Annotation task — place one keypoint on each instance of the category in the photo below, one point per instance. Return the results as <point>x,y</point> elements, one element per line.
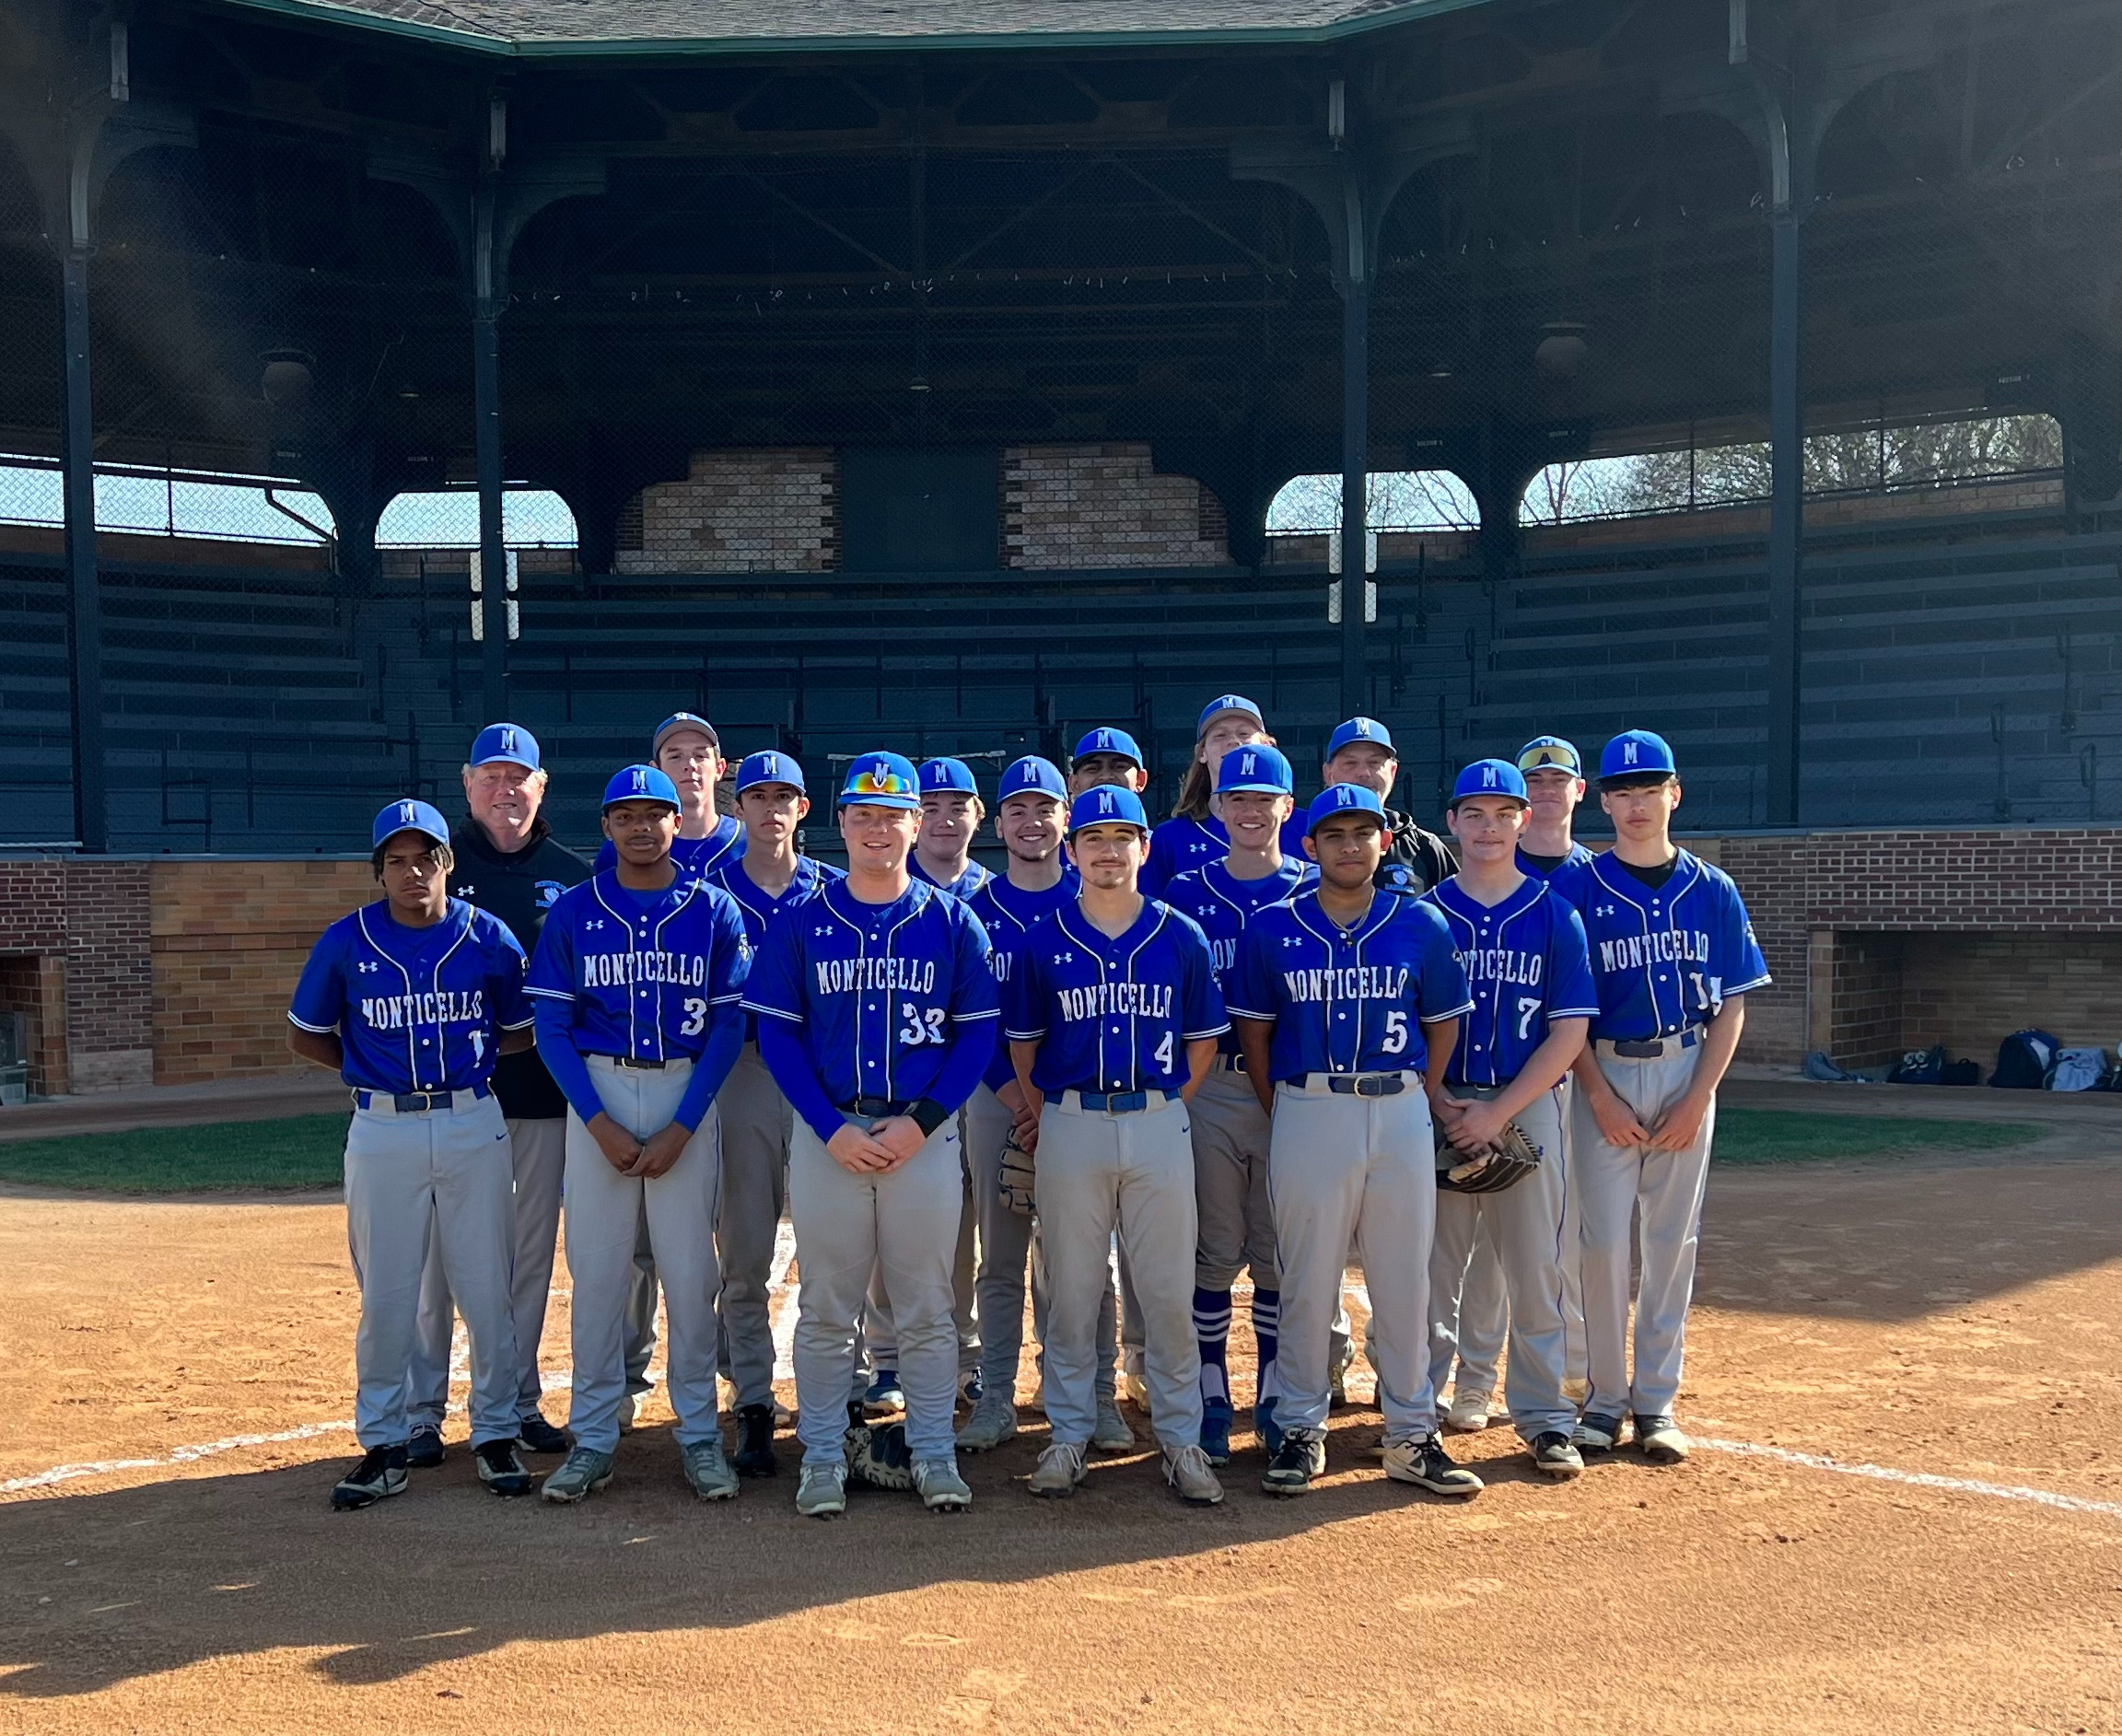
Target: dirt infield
<point>1950,1321</point>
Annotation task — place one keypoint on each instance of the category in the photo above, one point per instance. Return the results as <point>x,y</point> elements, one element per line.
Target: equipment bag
<point>2024,1059</point>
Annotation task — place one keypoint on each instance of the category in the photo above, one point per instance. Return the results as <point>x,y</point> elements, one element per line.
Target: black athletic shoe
<point>380,1472</point>
<point>1299,1458</point>
<point>534,1434</point>
<point>425,1451</point>
<point>1554,1454</point>
<point>499,1469</point>
<point>1595,1433</point>
<point>755,1442</point>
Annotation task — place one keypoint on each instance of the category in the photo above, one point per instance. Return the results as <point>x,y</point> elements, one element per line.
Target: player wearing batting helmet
<point>507,861</point>
<point>1673,958</point>
<point>638,978</point>
<point>411,1000</point>
<point>1522,949</point>
<point>877,1017</point>
<point>1112,1019</point>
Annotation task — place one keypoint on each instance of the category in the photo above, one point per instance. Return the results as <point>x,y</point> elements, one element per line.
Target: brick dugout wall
<point>1105,506</point>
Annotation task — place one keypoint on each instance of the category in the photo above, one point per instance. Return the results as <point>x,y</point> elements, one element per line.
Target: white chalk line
<point>782,1304</point>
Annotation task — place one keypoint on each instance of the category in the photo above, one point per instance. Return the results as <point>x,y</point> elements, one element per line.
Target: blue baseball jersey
<point>1350,1000</point>
<point>1185,843</point>
<point>697,859</point>
<point>1008,914</point>
<point>642,971</point>
<point>1113,1014</point>
<point>1563,873</point>
<point>876,990</point>
<point>1525,962</point>
<point>417,1009</point>
<point>965,886</point>
<point>1221,904</point>
<point>758,906</point>
<point>1664,960</point>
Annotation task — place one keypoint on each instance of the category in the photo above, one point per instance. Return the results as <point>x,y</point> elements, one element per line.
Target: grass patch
<point>1795,1136</point>
<point>303,1151</point>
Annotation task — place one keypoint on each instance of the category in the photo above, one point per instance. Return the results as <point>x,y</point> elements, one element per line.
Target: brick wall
<point>35,986</point>
<point>110,1002</point>
<point>774,511</point>
<point>229,941</point>
<point>1971,991</point>
<point>1105,506</point>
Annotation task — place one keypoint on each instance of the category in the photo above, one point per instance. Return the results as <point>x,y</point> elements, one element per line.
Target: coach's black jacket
<point>519,887</point>
<point>1416,859</point>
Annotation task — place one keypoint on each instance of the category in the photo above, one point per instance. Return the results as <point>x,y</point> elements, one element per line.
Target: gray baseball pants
<point>1231,1138</point>
<point>1524,1225</point>
<point>538,1150</point>
<point>848,1226</point>
<point>757,1128</point>
<point>605,1211</point>
<point>1666,1187</point>
<point>1132,1172</point>
<point>1343,1168</point>
<point>441,1177</point>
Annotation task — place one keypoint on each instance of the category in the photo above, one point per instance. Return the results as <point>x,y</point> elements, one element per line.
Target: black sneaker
<point>755,1442</point>
<point>1299,1458</point>
<point>1426,1465</point>
<point>425,1451</point>
<point>380,1472</point>
<point>1595,1433</point>
<point>534,1434</point>
<point>499,1469</point>
<point>1553,1453</point>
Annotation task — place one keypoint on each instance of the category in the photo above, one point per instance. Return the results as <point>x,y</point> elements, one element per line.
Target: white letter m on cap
<point>404,813</point>
<point>1104,802</point>
<point>1627,753</point>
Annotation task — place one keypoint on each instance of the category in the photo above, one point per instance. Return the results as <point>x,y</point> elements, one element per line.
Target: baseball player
<point>507,861</point>
<point>1348,1004</point>
<point>1107,755</point>
<point>1114,1017</point>
<point>1254,793</point>
<point>1673,958</point>
<point>877,1018</point>
<point>950,816</point>
<point>411,1000</point>
<point>1522,949</point>
<point>1193,836</point>
<point>1360,752</point>
<point>1031,814</point>
<point>757,1122</point>
<point>637,978</point>
<point>686,749</point>
<point>1554,786</point>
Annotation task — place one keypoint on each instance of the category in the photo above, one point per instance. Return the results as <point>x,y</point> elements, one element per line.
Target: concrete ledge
<point>268,1097</point>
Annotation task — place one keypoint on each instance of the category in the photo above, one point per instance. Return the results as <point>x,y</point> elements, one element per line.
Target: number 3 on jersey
<point>920,1027</point>
<point>695,1017</point>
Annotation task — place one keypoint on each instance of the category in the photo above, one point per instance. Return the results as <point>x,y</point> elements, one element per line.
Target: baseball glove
<point>1508,1162</point>
<point>1016,1185</point>
<point>878,1455</point>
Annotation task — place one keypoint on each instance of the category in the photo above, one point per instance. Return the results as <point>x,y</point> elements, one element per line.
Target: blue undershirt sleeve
<point>725,1042</point>
<point>564,1060</point>
<point>972,1048</point>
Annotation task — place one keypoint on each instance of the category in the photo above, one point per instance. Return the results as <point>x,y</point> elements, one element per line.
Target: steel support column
<point>1355,488</point>
<point>1786,513</point>
<point>493,547</point>
<point>85,604</point>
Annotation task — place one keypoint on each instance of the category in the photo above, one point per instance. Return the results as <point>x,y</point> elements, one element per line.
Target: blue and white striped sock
<point>1212,1333</point>
<point>1268,1331</point>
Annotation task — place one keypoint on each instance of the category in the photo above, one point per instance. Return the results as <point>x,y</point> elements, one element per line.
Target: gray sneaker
<point>822,1492</point>
<point>708,1471</point>
<point>993,1421</point>
<point>581,1473</point>
<point>1060,1470</point>
<point>1109,1433</point>
<point>941,1489</point>
<point>1190,1479</point>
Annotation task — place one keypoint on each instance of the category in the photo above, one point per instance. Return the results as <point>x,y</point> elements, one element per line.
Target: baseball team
<point>1138,1062</point>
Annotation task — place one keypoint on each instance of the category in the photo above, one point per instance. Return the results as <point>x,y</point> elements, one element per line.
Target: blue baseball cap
<point>411,816</point>
<point>1636,753</point>
<point>1103,741</point>
<point>508,744</point>
<point>679,720</point>
<point>939,776</point>
<point>1490,777</point>
<point>768,768</point>
<point>1342,799</point>
<point>881,780</point>
<point>1222,703</point>
<point>1360,730</point>
<point>640,783</point>
<point>1033,776</point>
<point>1543,751</point>
<point>1258,767</point>
<point>1107,805</point>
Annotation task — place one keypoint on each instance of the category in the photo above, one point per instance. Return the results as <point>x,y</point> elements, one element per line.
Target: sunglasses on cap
<point>1548,756</point>
<point>879,781</point>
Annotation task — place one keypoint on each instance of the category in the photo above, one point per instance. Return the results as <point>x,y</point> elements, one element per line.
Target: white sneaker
<point>1190,1479</point>
<point>1133,1387</point>
<point>1661,1440</point>
<point>1468,1413</point>
<point>1060,1470</point>
<point>1109,1433</point>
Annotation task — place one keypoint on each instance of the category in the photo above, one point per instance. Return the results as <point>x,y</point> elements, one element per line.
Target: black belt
<point>628,1060</point>
<point>417,1102</point>
<point>1359,1084</point>
<point>1230,1063</point>
<point>1653,1048</point>
<point>876,1106</point>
